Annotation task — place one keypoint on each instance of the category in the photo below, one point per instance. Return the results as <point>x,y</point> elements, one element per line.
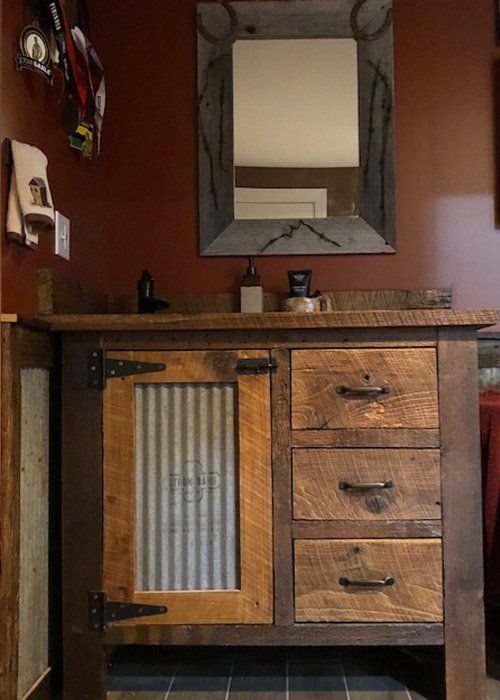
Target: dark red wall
<point>146,185</point>
<point>444,53</point>
<point>31,113</point>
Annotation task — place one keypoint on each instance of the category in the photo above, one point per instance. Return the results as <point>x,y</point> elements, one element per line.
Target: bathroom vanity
<point>272,479</point>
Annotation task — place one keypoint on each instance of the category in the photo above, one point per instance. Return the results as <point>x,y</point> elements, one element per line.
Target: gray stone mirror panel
<point>219,26</point>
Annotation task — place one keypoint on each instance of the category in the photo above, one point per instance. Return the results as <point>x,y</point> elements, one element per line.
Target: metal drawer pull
<point>363,390</point>
<point>387,581</point>
<point>346,486</point>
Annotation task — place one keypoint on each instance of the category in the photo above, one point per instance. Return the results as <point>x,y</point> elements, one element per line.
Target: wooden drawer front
<point>328,484</point>
<point>414,565</point>
<point>410,377</point>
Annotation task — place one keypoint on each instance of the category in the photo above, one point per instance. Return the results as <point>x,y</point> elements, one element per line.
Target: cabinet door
<point>187,489</point>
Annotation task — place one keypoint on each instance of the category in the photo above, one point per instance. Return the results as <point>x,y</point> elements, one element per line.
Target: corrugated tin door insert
<point>187,485</point>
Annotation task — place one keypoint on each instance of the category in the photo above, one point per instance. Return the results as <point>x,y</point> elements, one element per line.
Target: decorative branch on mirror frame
<point>372,226</point>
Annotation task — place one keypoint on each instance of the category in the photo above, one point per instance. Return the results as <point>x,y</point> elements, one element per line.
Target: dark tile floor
<point>273,674</point>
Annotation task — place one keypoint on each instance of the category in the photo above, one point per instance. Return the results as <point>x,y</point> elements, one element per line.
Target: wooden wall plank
<point>9,511</point>
<point>329,301</point>
<point>386,299</point>
<point>58,294</point>
<point>462,515</point>
<point>34,529</point>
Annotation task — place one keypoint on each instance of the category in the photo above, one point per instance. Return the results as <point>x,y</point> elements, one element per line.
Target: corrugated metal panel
<point>34,546</point>
<point>186,485</point>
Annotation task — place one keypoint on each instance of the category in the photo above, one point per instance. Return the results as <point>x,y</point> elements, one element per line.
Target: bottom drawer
<point>368,581</point>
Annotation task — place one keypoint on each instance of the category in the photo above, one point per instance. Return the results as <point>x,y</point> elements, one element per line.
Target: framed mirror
<point>296,127</point>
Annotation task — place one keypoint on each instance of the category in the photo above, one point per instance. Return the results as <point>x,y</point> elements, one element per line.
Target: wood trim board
<point>275,320</point>
<point>9,509</point>
<point>462,515</point>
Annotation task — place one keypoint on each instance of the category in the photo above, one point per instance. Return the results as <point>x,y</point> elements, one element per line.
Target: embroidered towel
<point>30,208</point>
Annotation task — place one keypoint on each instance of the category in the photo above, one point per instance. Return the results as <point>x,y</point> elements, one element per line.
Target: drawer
<point>340,484</point>
<point>333,389</point>
<point>327,573</point>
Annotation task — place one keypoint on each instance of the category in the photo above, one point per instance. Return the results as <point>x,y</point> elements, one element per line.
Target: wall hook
<point>361,34</point>
<point>230,35</point>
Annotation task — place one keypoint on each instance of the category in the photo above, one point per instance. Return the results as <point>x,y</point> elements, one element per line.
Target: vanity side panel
<point>462,514</point>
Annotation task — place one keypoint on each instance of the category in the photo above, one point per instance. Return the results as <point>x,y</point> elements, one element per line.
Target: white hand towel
<point>30,207</point>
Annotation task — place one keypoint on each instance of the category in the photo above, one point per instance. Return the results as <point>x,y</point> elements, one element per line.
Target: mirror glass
<point>296,128</point>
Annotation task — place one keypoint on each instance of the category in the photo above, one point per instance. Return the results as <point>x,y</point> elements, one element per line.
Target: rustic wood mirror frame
<point>220,24</point>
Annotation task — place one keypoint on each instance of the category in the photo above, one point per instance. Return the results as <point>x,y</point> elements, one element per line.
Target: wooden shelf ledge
<point>273,320</point>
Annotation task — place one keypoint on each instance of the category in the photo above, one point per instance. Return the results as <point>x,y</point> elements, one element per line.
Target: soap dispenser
<point>251,292</point>
<point>147,302</point>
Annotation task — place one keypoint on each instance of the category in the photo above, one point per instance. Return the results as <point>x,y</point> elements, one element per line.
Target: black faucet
<point>146,295</point>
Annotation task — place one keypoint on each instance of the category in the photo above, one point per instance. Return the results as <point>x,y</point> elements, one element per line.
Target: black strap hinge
<point>102,611</point>
<point>259,365</point>
<point>101,368</point>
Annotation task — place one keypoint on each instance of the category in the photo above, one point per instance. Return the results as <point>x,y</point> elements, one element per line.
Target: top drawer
<point>334,389</point>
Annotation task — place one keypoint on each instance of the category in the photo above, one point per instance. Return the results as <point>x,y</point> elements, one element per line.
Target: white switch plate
<point>62,235</point>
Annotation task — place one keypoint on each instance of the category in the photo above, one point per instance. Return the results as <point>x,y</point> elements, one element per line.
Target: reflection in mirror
<point>296,128</point>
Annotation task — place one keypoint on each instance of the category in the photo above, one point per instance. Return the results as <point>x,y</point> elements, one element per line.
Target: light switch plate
<point>62,235</point>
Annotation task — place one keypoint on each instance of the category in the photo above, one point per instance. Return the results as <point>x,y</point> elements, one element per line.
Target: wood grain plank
<point>410,375</point>
<point>34,529</point>
<point>462,515</point>
<point>119,488</point>
<point>373,437</point>
<point>361,529</point>
<point>274,320</point>
<point>415,566</point>
<point>60,294</point>
<point>282,488</point>
<point>414,475</point>
<point>9,510</point>
<point>313,635</point>
<point>268,339</point>
<point>228,302</point>
<point>386,299</point>
<point>82,508</point>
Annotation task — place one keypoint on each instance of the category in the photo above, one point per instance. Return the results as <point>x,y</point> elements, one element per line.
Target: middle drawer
<point>366,484</point>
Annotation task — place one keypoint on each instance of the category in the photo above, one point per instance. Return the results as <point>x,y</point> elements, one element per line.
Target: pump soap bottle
<point>251,293</point>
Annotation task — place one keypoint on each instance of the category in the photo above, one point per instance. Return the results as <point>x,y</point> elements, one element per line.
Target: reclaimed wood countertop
<point>273,320</point>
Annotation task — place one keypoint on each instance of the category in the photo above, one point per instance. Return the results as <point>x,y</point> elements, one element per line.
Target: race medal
<point>35,54</point>
<point>82,139</point>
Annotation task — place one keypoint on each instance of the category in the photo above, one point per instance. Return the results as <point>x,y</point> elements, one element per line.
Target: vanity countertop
<point>274,320</point>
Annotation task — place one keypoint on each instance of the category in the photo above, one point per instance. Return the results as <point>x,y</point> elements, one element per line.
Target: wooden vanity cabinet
<point>272,479</point>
